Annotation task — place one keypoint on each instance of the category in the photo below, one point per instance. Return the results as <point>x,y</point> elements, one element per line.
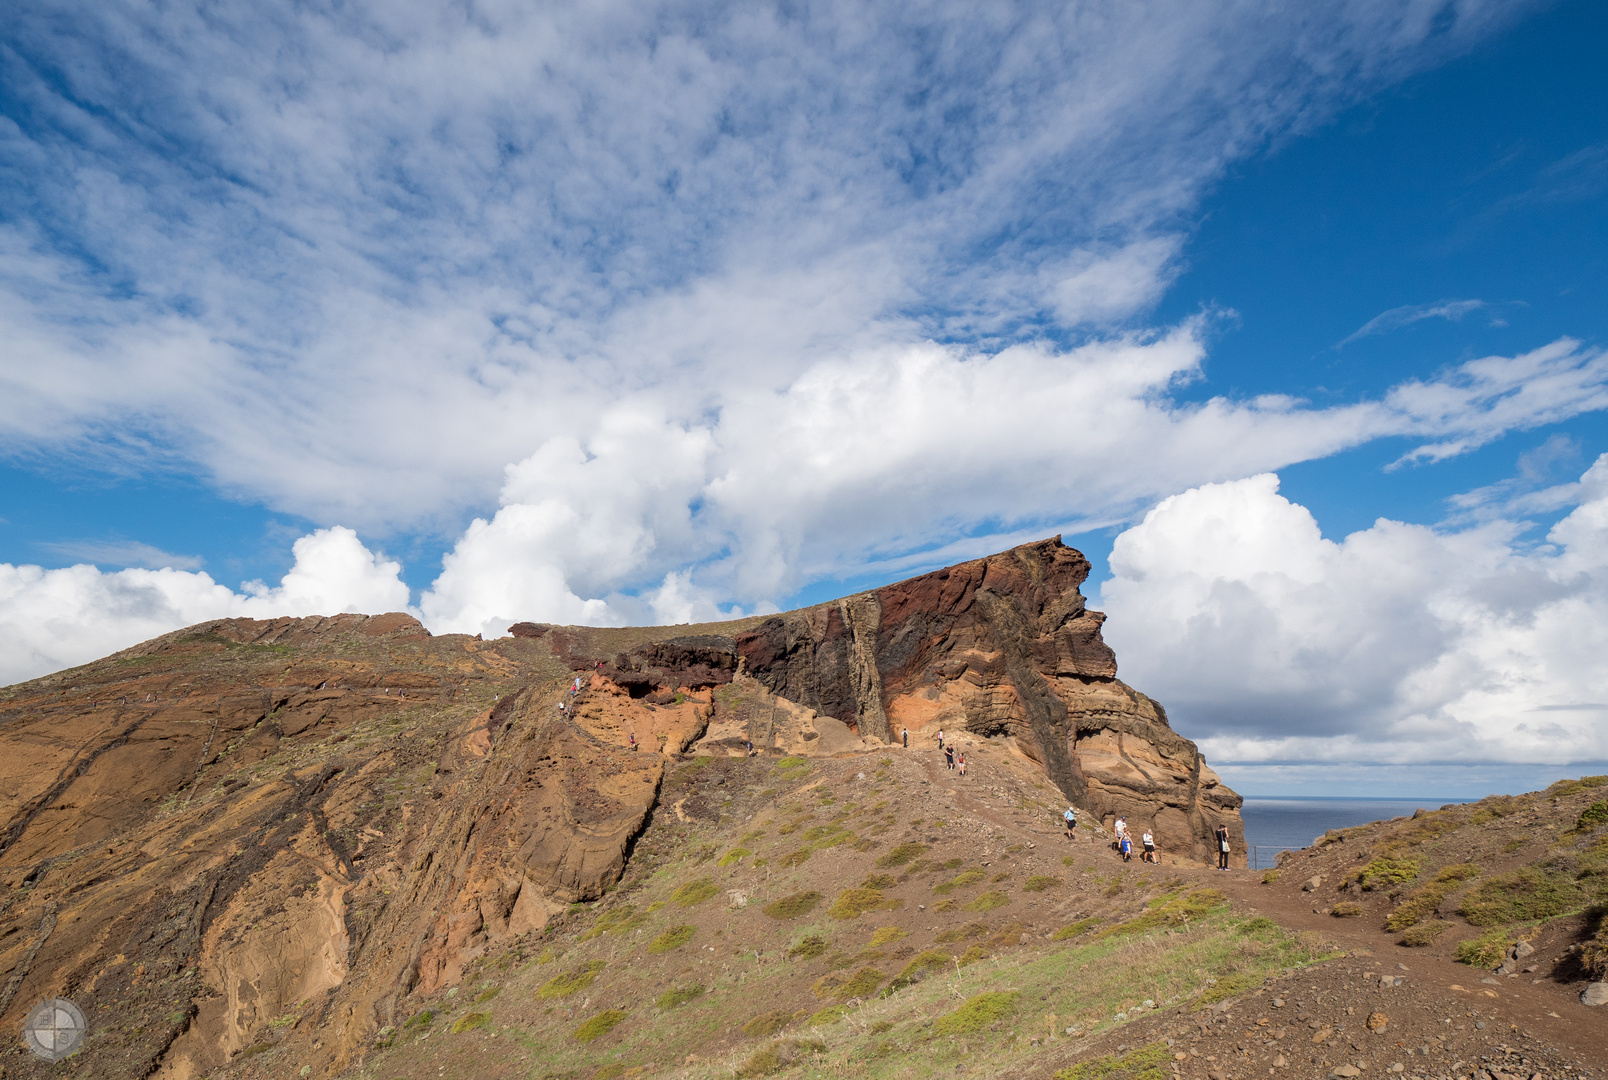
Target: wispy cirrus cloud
<point>1399,317</point>
<point>122,553</point>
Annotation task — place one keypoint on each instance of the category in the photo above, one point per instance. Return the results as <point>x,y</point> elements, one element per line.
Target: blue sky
<point>660,313</point>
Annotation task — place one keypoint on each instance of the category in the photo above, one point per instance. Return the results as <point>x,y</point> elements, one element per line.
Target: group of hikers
<point>1122,839</point>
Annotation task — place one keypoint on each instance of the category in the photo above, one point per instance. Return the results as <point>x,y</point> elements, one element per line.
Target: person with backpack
<point>1222,847</point>
<point>1149,843</point>
<point>960,764</point>
<point>1071,820</point>
<point>1119,829</point>
<point>1126,844</point>
<point>907,738</point>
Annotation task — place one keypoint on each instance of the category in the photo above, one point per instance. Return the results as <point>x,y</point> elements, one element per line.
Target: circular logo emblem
<point>54,1029</point>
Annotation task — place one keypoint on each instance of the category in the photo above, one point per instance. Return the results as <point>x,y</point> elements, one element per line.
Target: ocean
<point>1272,825</point>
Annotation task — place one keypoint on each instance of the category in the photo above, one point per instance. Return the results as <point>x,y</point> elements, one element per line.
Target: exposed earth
<point>343,847</point>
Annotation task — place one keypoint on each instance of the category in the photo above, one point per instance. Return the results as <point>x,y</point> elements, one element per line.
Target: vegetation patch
<point>901,855</point>
<point>487,994</point>
<point>695,892</point>
<point>1383,873</point>
<point>470,1021</point>
<point>1145,1063</point>
<point>977,1013</point>
<point>879,881</point>
<point>1486,951</point>
<point>852,903</point>
<point>791,907</point>
<point>1040,882</point>
<point>681,995</point>
<point>1424,933</point>
<point>420,1019</point>
<point>808,948</point>
<point>1233,986</point>
<point>795,858</point>
<point>861,984</point>
<point>1169,911</point>
<point>600,1025</point>
<point>963,933</point>
<point>1348,909</point>
<point>820,832</point>
<point>829,1015</point>
<point>779,1056</point>
<point>988,901</point>
<point>673,938</point>
<point>735,855</point>
<point>1082,926</point>
<point>1594,953</point>
<point>917,969</point>
<point>887,935</point>
<point>570,982</point>
<point>1592,816</point>
<point>1270,877</point>
<point>625,917</point>
<point>766,1024</point>
<point>1575,787</point>
<point>1423,902</point>
<point>1523,896</point>
<point>792,764</point>
<point>959,881</point>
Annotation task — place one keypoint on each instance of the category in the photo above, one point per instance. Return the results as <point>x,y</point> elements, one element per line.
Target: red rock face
<point>1001,646</point>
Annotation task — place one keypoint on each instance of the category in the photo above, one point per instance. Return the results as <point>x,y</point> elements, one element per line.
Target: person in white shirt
<point>1150,847</point>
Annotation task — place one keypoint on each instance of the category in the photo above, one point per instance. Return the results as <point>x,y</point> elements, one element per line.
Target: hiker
<point>940,738</point>
<point>632,736</point>
<point>949,757</point>
<point>960,764</point>
<point>1126,843</point>
<point>1149,843</point>
<point>1071,819</point>
<point>907,738</point>
<point>749,746</point>
<point>1222,847</point>
<point>1119,829</point>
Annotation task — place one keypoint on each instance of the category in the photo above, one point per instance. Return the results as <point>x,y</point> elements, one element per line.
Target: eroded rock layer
<point>1001,646</point>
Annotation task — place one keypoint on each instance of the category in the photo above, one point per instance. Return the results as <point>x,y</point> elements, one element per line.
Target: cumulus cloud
<point>1398,643</point>
<point>890,463</point>
<point>51,619</point>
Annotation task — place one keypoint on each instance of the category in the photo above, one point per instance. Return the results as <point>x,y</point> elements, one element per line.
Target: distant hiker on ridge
<point>1222,847</point>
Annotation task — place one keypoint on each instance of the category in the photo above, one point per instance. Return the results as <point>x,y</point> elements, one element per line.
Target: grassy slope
<point>729,999</point>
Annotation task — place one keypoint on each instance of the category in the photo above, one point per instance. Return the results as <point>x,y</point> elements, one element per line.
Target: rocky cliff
<point>250,838</point>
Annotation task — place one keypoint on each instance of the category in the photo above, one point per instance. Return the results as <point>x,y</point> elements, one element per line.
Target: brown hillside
<point>248,844</point>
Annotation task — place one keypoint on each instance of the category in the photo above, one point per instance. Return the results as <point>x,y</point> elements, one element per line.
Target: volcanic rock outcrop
<point>252,837</point>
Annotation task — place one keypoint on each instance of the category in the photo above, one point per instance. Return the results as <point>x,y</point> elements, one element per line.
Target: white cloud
<point>351,261</point>
<point>1399,643</point>
<point>123,553</point>
<point>1398,317</point>
<point>51,619</point>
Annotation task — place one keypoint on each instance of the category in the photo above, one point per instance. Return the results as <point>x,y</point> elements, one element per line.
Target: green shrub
<point>1082,926</point>
<point>1270,877</point>
<point>570,982</point>
<point>1574,787</point>
<point>795,858</point>
<point>1485,951</point>
<point>470,1021</point>
<point>977,1013</point>
<point>962,933</point>
<point>778,1056</point>
<point>735,855</point>
<point>787,764</point>
<point>1524,896</point>
<point>600,1025</point>
<point>861,984</point>
<point>1145,1063</point>
<point>420,1019</point>
<point>616,921</point>
<point>695,892</point>
<point>807,948</point>
<point>1040,882</point>
<point>766,1024</point>
<point>879,881</point>
<point>916,970</point>
<point>1347,909</point>
<point>1229,987</point>
<point>791,907</point>
<point>901,855</point>
<point>972,955</point>
<point>1382,873</point>
<point>887,935</point>
<point>1425,900</point>
<point>987,901</point>
<point>487,994</point>
<point>681,995</point>
<point>820,832</point>
<point>852,903</point>
<point>959,881</point>
<point>673,938</point>
<point>1592,816</point>
<point>1421,934</point>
